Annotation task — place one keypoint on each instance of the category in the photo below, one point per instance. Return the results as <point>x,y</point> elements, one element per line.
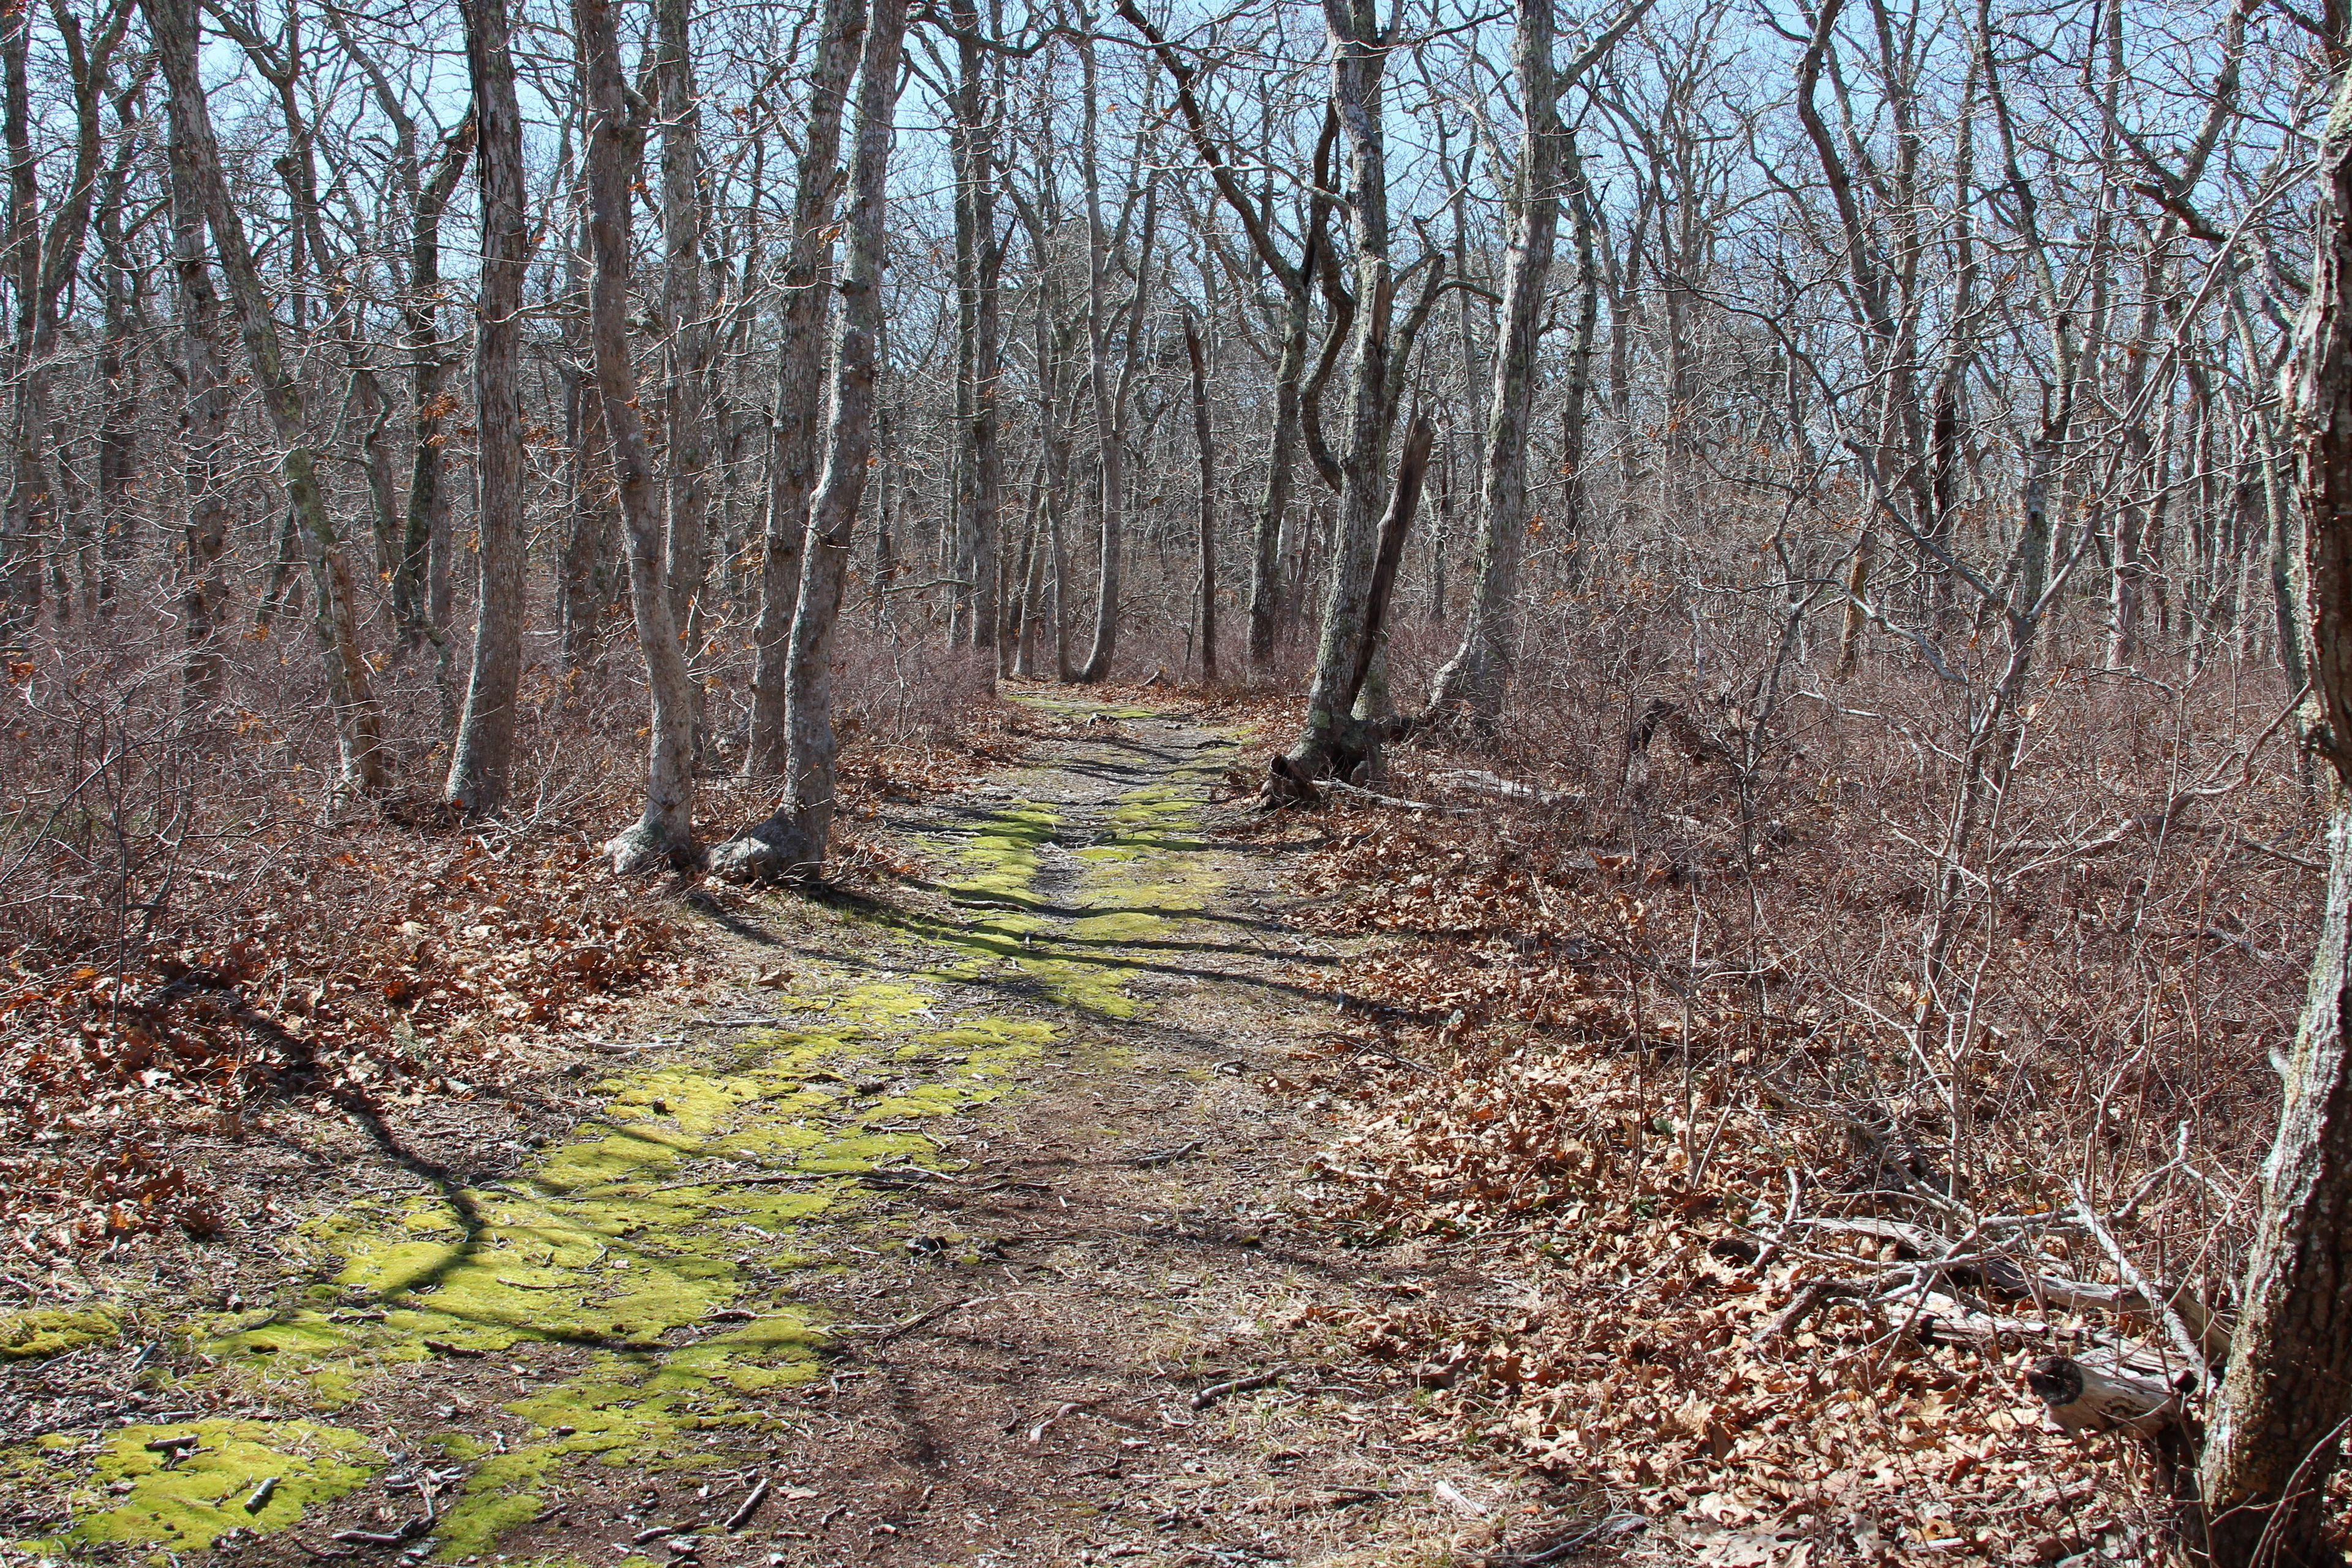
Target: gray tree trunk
<point>792,843</point>
<point>1208,512</point>
<point>664,836</point>
<point>427,513</point>
<point>800,387</point>
<point>1358,55</point>
<point>204,591</point>
<point>685,313</point>
<point>1474,678</point>
<point>481,759</point>
<point>1110,391</point>
<point>2275,1431</point>
<point>585,579</point>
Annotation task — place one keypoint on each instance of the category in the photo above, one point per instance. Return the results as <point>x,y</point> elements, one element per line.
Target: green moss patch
<point>643,1249</point>
<point>53,1331</point>
<point>188,1498</point>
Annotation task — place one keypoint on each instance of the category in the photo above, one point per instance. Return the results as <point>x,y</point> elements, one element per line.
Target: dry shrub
<point>192,934</point>
<point>1665,1052</point>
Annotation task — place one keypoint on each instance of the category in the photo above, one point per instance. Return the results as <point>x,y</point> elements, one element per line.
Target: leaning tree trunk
<point>1474,678</point>
<point>793,842</point>
<point>359,724</point>
<point>800,386</point>
<point>2276,1427</point>
<point>480,762</point>
<point>616,140</point>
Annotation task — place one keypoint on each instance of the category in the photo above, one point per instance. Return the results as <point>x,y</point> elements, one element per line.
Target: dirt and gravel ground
<point>958,1225</point>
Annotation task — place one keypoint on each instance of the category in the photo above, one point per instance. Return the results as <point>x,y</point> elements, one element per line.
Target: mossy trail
<point>441,1366</point>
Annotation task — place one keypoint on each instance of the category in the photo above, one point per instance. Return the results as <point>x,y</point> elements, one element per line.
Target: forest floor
<point>961,1220</point>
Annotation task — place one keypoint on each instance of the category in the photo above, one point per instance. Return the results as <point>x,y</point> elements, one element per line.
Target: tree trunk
<point>1110,392</point>
<point>358,720</point>
<point>205,534</point>
<point>1358,55</point>
<point>792,843</point>
<point>985,473</point>
<point>1473,680</point>
<point>25,523</point>
<point>427,513</point>
<point>1208,513</point>
<point>684,312</point>
<point>480,760</point>
<point>800,387</point>
<point>2276,1428</point>
<point>585,579</point>
<point>664,836</point>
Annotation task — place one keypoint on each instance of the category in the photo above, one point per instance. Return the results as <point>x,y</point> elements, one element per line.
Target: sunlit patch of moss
<point>53,1331</point>
<point>137,1495</point>
<point>623,1240</point>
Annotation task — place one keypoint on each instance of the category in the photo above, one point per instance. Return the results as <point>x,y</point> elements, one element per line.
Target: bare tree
<point>792,447</point>
<point>793,842</point>
<point>2276,1429</point>
<point>359,722</point>
<point>663,835</point>
<point>480,759</point>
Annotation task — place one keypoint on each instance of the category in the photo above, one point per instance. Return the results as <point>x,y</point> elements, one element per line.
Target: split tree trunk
<point>800,386</point>
<point>684,309</point>
<point>664,836</point>
<point>480,760</point>
<point>793,841</point>
<point>1359,50</point>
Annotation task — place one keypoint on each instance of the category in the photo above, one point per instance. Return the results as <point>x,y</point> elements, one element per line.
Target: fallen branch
<point>2084,1399</point>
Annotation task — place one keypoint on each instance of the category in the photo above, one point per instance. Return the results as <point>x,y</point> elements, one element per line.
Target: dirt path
<point>960,1228</point>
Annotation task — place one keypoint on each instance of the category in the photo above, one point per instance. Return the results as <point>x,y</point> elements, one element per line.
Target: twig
<point>908,1325</point>
<point>1217,1391</point>
<point>749,1506</point>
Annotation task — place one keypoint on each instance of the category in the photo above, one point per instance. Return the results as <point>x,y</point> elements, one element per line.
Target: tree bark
<point>685,311</point>
<point>1110,392</point>
<point>2275,1430</point>
<point>359,722</point>
<point>1473,680</point>
<point>800,386</point>
<point>203,421</point>
<point>663,835</point>
<point>481,760</point>
<point>426,517</point>
<point>1208,505</point>
<point>792,843</point>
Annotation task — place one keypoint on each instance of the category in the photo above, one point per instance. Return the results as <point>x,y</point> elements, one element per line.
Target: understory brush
<point>1799,1122</point>
<point>195,930</point>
